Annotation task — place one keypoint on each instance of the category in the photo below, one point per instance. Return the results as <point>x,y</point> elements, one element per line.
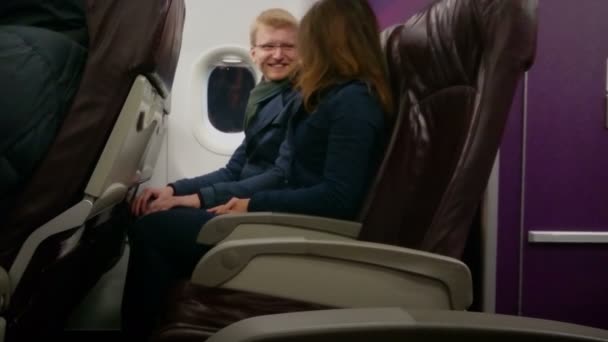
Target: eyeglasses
<point>270,47</point>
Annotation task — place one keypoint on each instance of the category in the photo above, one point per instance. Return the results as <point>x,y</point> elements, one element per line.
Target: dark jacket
<point>63,16</point>
<point>40,72</point>
<point>246,171</point>
<point>331,155</point>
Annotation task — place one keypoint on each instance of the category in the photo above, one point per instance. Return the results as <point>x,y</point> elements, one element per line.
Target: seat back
<point>127,39</point>
<point>454,70</point>
<point>67,227</point>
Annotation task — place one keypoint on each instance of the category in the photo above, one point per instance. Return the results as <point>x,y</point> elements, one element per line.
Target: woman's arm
<point>355,139</point>
<point>230,172</point>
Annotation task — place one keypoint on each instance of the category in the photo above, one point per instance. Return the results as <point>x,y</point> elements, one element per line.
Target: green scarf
<point>262,92</point>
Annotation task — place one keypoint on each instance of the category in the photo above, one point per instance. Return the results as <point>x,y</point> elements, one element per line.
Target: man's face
<point>275,52</point>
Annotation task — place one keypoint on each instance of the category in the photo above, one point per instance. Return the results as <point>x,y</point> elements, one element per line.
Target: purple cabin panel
<point>566,181</point>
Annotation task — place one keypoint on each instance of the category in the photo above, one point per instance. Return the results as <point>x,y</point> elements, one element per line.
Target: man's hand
<point>141,203</point>
<point>166,203</point>
<point>235,205</point>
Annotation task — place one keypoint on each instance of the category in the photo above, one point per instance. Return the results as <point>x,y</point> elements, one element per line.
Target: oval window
<point>228,89</point>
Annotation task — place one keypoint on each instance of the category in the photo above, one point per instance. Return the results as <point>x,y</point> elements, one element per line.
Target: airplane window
<point>227,93</point>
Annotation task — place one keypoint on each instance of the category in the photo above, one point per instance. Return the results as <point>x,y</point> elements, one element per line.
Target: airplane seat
<point>454,69</point>
<point>66,226</point>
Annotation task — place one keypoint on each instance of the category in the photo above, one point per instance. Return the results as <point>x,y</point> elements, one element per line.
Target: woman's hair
<point>276,18</point>
<point>338,41</point>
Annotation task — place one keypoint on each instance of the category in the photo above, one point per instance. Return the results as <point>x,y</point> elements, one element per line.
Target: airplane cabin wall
<point>553,216</point>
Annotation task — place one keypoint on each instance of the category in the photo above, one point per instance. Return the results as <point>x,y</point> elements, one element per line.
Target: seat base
<point>65,267</point>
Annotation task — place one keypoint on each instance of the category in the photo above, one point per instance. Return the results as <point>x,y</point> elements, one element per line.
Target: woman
<point>333,143</point>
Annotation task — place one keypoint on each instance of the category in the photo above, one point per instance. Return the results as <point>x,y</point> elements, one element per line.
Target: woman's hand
<point>235,205</point>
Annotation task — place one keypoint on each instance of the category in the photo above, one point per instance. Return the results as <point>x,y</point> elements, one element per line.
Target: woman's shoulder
<point>350,88</point>
<point>352,104</point>
<point>355,96</point>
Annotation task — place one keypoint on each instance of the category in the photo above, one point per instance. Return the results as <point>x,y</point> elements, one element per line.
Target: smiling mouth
<point>278,66</point>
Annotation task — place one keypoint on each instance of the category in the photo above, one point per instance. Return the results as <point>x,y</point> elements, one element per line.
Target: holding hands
<point>152,200</point>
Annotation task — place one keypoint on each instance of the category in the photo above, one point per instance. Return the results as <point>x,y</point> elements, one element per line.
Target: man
<point>273,49</point>
<point>163,240</point>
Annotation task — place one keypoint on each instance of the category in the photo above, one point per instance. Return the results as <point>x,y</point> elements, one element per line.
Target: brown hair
<point>338,41</point>
<point>276,18</point>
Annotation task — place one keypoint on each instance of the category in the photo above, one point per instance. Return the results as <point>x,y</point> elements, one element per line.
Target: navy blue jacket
<point>251,167</point>
<point>331,155</point>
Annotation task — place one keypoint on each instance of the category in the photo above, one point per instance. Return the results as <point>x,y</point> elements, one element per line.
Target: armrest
<point>5,290</point>
<point>392,324</point>
<point>250,225</point>
<point>311,325</point>
<point>338,273</point>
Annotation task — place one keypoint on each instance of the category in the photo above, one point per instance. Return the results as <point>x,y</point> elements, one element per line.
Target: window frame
<point>203,130</point>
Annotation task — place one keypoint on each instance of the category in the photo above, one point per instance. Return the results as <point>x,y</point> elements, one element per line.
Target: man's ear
<point>252,53</point>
